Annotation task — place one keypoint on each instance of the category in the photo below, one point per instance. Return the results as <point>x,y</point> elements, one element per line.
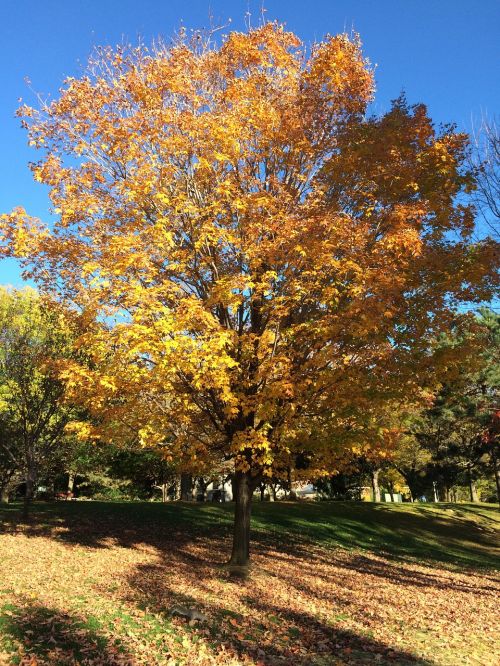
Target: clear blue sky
<point>441,52</point>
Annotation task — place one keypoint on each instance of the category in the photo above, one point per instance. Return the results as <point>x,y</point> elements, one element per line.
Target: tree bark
<point>375,485</point>
<point>413,481</point>
<point>186,487</point>
<point>242,495</point>
<point>4,495</point>
<point>473,490</point>
<point>496,471</point>
<point>71,482</point>
<point>29,492</point>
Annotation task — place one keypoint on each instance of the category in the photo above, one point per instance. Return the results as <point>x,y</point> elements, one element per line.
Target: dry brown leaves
<point>108,604</point>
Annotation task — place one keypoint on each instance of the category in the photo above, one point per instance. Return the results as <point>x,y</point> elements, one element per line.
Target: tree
<point>484,159</point>
<point>454,429</point>
<point>33,415</point>
<point>491,441</point>
<point>267,263</point>
<point>411,460</point>
<point>118,471</point>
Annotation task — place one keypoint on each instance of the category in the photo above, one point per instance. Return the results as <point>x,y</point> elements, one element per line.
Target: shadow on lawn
<point>416,533</point>
<point>55,638</point>
<point>279,635</point>
<point>107,524</point>
<point>396,573</point>
<point>419,534</point>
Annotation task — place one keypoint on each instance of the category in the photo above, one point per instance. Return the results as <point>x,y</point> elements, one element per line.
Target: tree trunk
<point>413,481</point>
<point>375,485</point>
<point>29,492</point>
<point>289,496</point>
<point>71,482</point>
<point>473,490</point>
<point>186,487</point>
<point>4,495</point>
<point>242,495</point>
<point>262,491</point>
<point>202,489</point>
<point>496,471</point>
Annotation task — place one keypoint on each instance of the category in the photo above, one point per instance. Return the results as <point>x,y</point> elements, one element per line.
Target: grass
<point>416,531</point>
<point>332,583</point>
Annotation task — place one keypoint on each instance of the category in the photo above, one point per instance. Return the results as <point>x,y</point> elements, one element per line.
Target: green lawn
<point>458,535</point>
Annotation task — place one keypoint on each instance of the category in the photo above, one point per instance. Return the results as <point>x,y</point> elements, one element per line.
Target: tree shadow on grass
<point>451,540</point>
<point>109,524</point>
<point>273,634</point>
<point>418,534</point>
<point>400,538</point>
<point>398,572</point>
<point>48,636</point>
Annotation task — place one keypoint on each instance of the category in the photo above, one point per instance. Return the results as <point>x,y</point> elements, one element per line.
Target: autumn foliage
<point>268,264</point>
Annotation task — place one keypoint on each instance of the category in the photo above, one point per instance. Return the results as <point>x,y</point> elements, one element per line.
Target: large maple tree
<point>267,262</point>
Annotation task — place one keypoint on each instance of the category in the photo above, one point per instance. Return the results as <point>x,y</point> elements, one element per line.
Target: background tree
<point>446,443</point>
<point>271,265</point>
<point>491,442</point>
<point>485,162</point>
<point>411,459</point>
<point>110,471</point>
<point>33,415</point>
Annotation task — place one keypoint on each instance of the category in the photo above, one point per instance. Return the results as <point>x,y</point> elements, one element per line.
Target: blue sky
<point>441,52</point>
